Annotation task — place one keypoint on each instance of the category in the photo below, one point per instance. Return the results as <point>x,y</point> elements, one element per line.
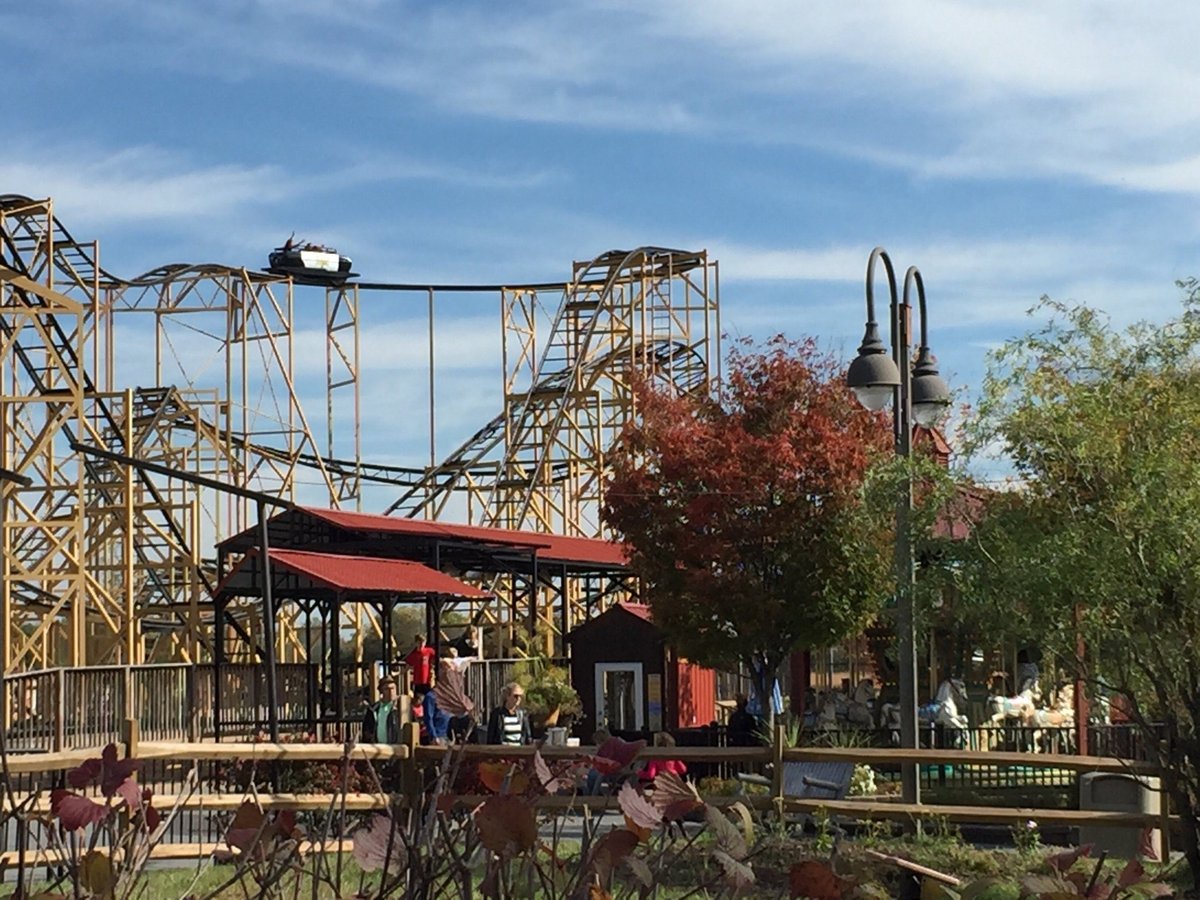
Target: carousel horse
<point>827,711</point>
<point>889,721</point>
<point>860,712</point>
<point>834,710</point>
<point>944,712</point>
<point>1020,707</point>
<point>1018,710</point>
<point>1050,723</point>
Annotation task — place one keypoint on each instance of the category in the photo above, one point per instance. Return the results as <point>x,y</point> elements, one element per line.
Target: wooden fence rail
<point>413,759</point>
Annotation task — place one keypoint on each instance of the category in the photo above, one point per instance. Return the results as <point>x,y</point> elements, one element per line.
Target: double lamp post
<point>917,393</point>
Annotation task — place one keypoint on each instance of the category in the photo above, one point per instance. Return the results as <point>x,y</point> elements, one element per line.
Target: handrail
<point>884,756</point>
<point>413,758</point>
<point>266,750</point>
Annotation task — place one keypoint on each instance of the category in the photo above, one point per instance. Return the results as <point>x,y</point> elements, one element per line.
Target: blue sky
<point>1009,150</point>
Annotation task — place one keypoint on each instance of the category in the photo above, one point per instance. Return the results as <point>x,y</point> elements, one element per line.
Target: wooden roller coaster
<point>106,563</point>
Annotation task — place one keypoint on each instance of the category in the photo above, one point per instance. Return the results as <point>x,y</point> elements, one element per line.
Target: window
<point>619,696</point>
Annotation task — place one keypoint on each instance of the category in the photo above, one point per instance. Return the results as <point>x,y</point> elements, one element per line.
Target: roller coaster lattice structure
<point>107,564</point>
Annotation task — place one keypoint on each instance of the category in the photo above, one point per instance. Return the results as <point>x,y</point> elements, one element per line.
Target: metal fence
<point>68,708</point>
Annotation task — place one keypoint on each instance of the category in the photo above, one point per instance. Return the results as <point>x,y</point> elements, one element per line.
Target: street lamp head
<point>873,375</point>
<point>930,393</point>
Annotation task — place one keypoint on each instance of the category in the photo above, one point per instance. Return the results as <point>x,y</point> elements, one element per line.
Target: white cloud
<point>943,261</point>
<point>137,183</point>
<point>1096,91</point>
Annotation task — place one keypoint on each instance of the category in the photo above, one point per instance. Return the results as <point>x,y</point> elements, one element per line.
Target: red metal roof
<point>356,521</point>
<point>367,574</point>
<point>560,548</point>
<point>549,547</point>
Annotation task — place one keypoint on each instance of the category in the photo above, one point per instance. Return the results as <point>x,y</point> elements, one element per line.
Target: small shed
<point>630,680</point>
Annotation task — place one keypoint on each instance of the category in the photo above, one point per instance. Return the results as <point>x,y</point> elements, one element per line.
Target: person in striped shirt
<point>509,722</point>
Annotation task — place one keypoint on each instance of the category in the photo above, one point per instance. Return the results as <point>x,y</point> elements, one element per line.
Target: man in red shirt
<point>420,664</point>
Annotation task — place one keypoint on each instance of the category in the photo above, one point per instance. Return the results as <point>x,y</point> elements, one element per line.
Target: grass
<point>940,848</point>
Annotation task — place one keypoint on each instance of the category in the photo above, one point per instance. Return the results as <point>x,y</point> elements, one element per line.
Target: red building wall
<point>695,696</point>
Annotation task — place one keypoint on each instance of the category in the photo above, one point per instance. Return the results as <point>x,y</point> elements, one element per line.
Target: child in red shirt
<point>656,767</point>
<point>420,664</point>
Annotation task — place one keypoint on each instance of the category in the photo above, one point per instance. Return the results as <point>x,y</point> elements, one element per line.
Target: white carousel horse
<point>1048,722</point>
<point>1008,711</point>
<point>1020,707</point>
<point>889,721</point>
<point>944,710</point>
<point>860,712</point>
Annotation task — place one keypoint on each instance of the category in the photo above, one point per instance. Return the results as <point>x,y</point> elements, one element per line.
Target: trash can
<point>556,737</point>
<point>1115,792</point>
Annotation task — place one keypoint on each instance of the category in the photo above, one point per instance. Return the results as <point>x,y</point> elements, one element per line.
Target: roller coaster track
<point>101,474</point>
<point>533,465</point>
<point>36,246</point>
<point>469,460</point>
<point>592,340</point>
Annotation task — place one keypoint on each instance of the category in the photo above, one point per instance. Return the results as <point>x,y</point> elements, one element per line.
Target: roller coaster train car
<point>309,263</point>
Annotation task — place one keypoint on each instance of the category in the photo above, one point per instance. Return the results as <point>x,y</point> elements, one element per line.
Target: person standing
<point>434,720</point>
<point>509,722</point>
<point>420,664</point>
<point>381,722</point>
<point>468,644</point>
<point>451,695</point>
<point>742,730</point>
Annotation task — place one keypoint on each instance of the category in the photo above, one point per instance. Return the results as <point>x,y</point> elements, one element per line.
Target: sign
<point>654,701</point>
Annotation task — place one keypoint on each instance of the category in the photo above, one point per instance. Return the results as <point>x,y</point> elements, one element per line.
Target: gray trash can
<point>1115,792</point>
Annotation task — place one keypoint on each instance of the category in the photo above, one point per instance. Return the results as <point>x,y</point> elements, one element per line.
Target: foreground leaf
<point>96,873</point>
<point>640,871</point>
<point>637,808</point>
<point>246,827</point>
<point>1045,887</point>
<point>738,875</point>
<point>371,849</point>
<point>727,836</point>
<point>1061,862</point>
<point>506,825</point>
<point>615,754</point>
<point>611,850</point>
<point>76,812</point>
<point>746,819</point>
<point>495,774</point>
<point>643,834</point>
<point>674,797</point>
<point>542,776</point>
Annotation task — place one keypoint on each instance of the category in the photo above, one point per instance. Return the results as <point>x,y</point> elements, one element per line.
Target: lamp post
<point>917,392</point>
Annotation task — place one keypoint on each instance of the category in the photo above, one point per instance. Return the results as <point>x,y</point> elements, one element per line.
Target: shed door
<point>619,699</point>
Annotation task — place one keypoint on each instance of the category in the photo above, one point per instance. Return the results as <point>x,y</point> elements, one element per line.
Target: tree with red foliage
<point>745,512</point>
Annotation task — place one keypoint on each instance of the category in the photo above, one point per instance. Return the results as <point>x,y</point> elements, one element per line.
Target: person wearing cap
<point>381,722</point>
<point>509,723</point>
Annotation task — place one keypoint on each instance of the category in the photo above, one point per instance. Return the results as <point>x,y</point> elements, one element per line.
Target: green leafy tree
<point>745,512</point>
<point>1101,540</point>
